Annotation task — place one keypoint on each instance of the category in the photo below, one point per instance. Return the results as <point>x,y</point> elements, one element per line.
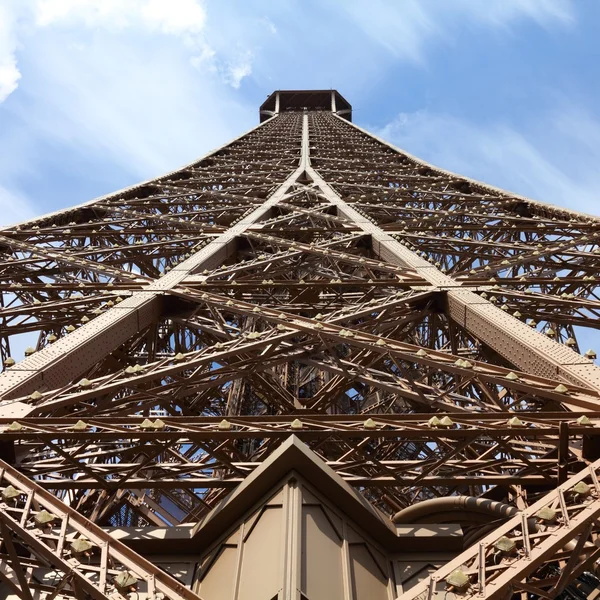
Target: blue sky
<point>96,95</point>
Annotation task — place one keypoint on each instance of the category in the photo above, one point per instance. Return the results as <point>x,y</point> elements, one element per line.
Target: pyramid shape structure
<point>419,333</point>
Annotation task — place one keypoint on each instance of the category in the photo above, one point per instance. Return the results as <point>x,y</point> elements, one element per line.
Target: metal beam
<point>74,354</point>
<point>53,542</point>
<point>518,343</point>
<point>491,572</point>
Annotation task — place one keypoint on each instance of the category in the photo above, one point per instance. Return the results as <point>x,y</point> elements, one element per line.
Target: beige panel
<point>335,520</point>
<point>218,583</point>
<point>322,572</point>
<point>260,577</point>
<point>308,497</point>
<point>368,583</point>
<point>353,536</point>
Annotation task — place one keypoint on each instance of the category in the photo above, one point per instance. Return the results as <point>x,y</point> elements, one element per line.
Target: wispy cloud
<point>401,28</point>
<point>231,70</point>
<point>237,68</point>
<point>505,12</point>
<point>115,110</point>
<point>19,19</point>
<point>268,24</point>
<point>138,107</point>
<point>554,159</point>
<point>9,73</point>
<point>173,17</point>
<point>406,29</point>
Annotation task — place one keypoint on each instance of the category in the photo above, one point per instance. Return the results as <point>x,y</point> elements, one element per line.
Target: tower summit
<point>298,100</point>
<point>306,366</point>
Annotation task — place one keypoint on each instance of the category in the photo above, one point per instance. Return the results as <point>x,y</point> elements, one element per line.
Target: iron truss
<point>420,331</point>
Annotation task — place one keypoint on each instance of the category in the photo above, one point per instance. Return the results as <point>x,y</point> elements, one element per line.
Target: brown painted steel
<point>417,332</point>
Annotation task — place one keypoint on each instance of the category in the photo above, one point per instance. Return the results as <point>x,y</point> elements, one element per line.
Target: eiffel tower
<point>307,366</point>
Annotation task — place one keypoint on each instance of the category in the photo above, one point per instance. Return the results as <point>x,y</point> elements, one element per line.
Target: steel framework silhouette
<point>417,332</point>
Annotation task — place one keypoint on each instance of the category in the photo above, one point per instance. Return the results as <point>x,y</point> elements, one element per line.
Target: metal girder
<point>59,540</point>
<point>561,528</point>
<point>206,453</point>
<point>281,322</point>
<point>511,338</point>
<point>534,424</point>
<point>484,187</point>
<point>54,366</point>
<point>418,331</point>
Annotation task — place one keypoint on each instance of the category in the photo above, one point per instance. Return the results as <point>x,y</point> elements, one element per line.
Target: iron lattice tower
<point>308,365</point>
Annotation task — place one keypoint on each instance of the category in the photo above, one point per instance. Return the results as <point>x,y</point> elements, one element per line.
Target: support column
<point>493,574</point>
<point>528,349</point>
<point>57,549</point>
<point>70,357</point>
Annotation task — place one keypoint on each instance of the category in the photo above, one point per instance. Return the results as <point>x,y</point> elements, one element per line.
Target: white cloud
<point>9,73</point>
<point>185,18</point>
<point>9,76</point>
<point>206,58</point>
<point>124,101</point>
<point>554,160</point>
<point>238,68</point>
<point>175,16</point>
<point>172,17</point>
<point>406,30</point>
<point>504,12</point>
<point>230,71</point>
<point>401,28</point>
<point>131,102</point>
<point>269,25</point>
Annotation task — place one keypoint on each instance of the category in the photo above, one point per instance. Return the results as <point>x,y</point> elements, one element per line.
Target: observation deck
<point>299,100</point>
